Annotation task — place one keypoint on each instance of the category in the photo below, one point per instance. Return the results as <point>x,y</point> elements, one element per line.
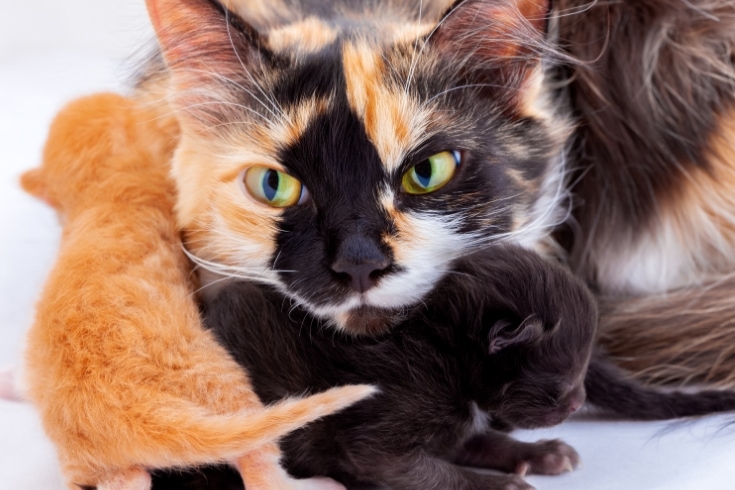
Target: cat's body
<point>503,341</point>
<point>124,377</point>
<point>349,97</point>
<point>654,155</point>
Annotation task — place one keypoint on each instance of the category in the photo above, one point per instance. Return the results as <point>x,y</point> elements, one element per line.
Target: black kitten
<point>506,336</point>
<point>504,341</point>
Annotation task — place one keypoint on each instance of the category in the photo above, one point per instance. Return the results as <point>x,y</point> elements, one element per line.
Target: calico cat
<point>503,341</point>
<point>124,377</point>
<point>346,152</point>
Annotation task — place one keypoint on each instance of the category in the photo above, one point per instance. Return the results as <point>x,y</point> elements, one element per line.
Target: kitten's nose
<point>360,259</point>
<point>576,399</point>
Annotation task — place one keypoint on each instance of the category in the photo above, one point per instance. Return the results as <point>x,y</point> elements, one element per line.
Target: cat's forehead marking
<point>307,36</point>
<point>262,13</point>
<point>394,121</point>
<point>295,120</point>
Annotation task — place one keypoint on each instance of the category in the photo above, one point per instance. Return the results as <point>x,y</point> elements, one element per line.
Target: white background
<point>54,50</point>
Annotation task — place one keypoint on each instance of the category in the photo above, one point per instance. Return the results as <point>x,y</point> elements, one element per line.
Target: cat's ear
<point>497,42</point>
<point>209,51</point>
<point>505,334</point>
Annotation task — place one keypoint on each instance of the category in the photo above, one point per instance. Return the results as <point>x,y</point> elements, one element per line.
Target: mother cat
<point>346,152</point>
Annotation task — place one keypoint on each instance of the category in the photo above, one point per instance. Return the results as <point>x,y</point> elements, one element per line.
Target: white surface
<point>49,54</point>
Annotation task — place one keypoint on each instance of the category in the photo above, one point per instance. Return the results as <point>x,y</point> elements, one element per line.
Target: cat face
<point>349,160</point>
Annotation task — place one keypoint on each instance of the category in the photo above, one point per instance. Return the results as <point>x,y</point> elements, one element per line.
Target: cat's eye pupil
<point>270,184</point>
<point>423,172</point>
<point>431,174</point>
<point>272,187</point>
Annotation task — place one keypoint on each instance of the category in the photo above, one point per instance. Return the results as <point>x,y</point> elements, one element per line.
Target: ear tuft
<point>210,52</point>
<point>505,334</point>
<point>500,42</point>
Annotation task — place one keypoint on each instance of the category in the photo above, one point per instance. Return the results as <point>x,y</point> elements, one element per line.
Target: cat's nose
<point>359,258</point>
<point>362,276</point>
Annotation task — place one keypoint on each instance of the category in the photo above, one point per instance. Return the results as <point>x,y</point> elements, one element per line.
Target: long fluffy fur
<point>654,92</point>
<point>124,377</point>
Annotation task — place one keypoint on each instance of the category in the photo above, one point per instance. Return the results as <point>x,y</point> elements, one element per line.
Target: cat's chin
<point>367,320</point>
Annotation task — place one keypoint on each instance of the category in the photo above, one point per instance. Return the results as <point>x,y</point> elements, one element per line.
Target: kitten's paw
<point>548,458</point>
<point>318,484</point>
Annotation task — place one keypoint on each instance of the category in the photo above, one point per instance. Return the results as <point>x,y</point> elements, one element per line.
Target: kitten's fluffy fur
<point>124,377</point>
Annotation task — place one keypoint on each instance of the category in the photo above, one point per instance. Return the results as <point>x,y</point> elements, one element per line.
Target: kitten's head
<point>535,355</point>
<point>348,160</point>
<point>536,379</point>
<point>98,147</point>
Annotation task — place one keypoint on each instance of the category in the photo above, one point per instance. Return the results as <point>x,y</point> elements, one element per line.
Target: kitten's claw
<point>549,458</point>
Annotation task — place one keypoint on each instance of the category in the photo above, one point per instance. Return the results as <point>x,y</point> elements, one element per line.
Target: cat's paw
<point>551,457</point>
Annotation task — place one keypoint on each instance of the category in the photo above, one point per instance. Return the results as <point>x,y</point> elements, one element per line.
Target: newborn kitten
<point>504,341</point>
<point>122,373</point>
<point>506,336</point>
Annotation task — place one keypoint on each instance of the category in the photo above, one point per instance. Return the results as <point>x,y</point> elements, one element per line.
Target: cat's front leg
<point>495,450</point>
<point>418,470</point>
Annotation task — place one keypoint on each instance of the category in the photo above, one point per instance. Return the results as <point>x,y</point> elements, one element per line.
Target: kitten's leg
<point>499,451</point>
<point>261,470</point>
<point>133,479</point>
<point>420,471</point>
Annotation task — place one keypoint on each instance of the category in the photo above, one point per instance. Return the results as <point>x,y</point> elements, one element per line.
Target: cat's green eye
<point>432,174</point>
<point>274,188</point>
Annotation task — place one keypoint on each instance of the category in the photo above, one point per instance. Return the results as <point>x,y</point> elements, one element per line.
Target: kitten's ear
<point>500,41</point>
<point>208,49</point>
<point>504,333</point>
<point>33,183</point>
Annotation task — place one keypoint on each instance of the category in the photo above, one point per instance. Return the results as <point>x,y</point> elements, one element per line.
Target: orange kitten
<point>117,363</point>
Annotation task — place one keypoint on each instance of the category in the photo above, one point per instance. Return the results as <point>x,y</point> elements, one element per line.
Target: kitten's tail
<point>183,434</point>
<point>608,388</point>
<point>684,336</point>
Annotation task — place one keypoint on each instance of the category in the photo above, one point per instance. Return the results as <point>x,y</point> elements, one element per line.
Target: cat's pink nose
<point>362,275</point>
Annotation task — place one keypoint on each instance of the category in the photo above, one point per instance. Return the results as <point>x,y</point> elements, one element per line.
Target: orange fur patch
<point>394,122</point>
<point>306,36</point>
